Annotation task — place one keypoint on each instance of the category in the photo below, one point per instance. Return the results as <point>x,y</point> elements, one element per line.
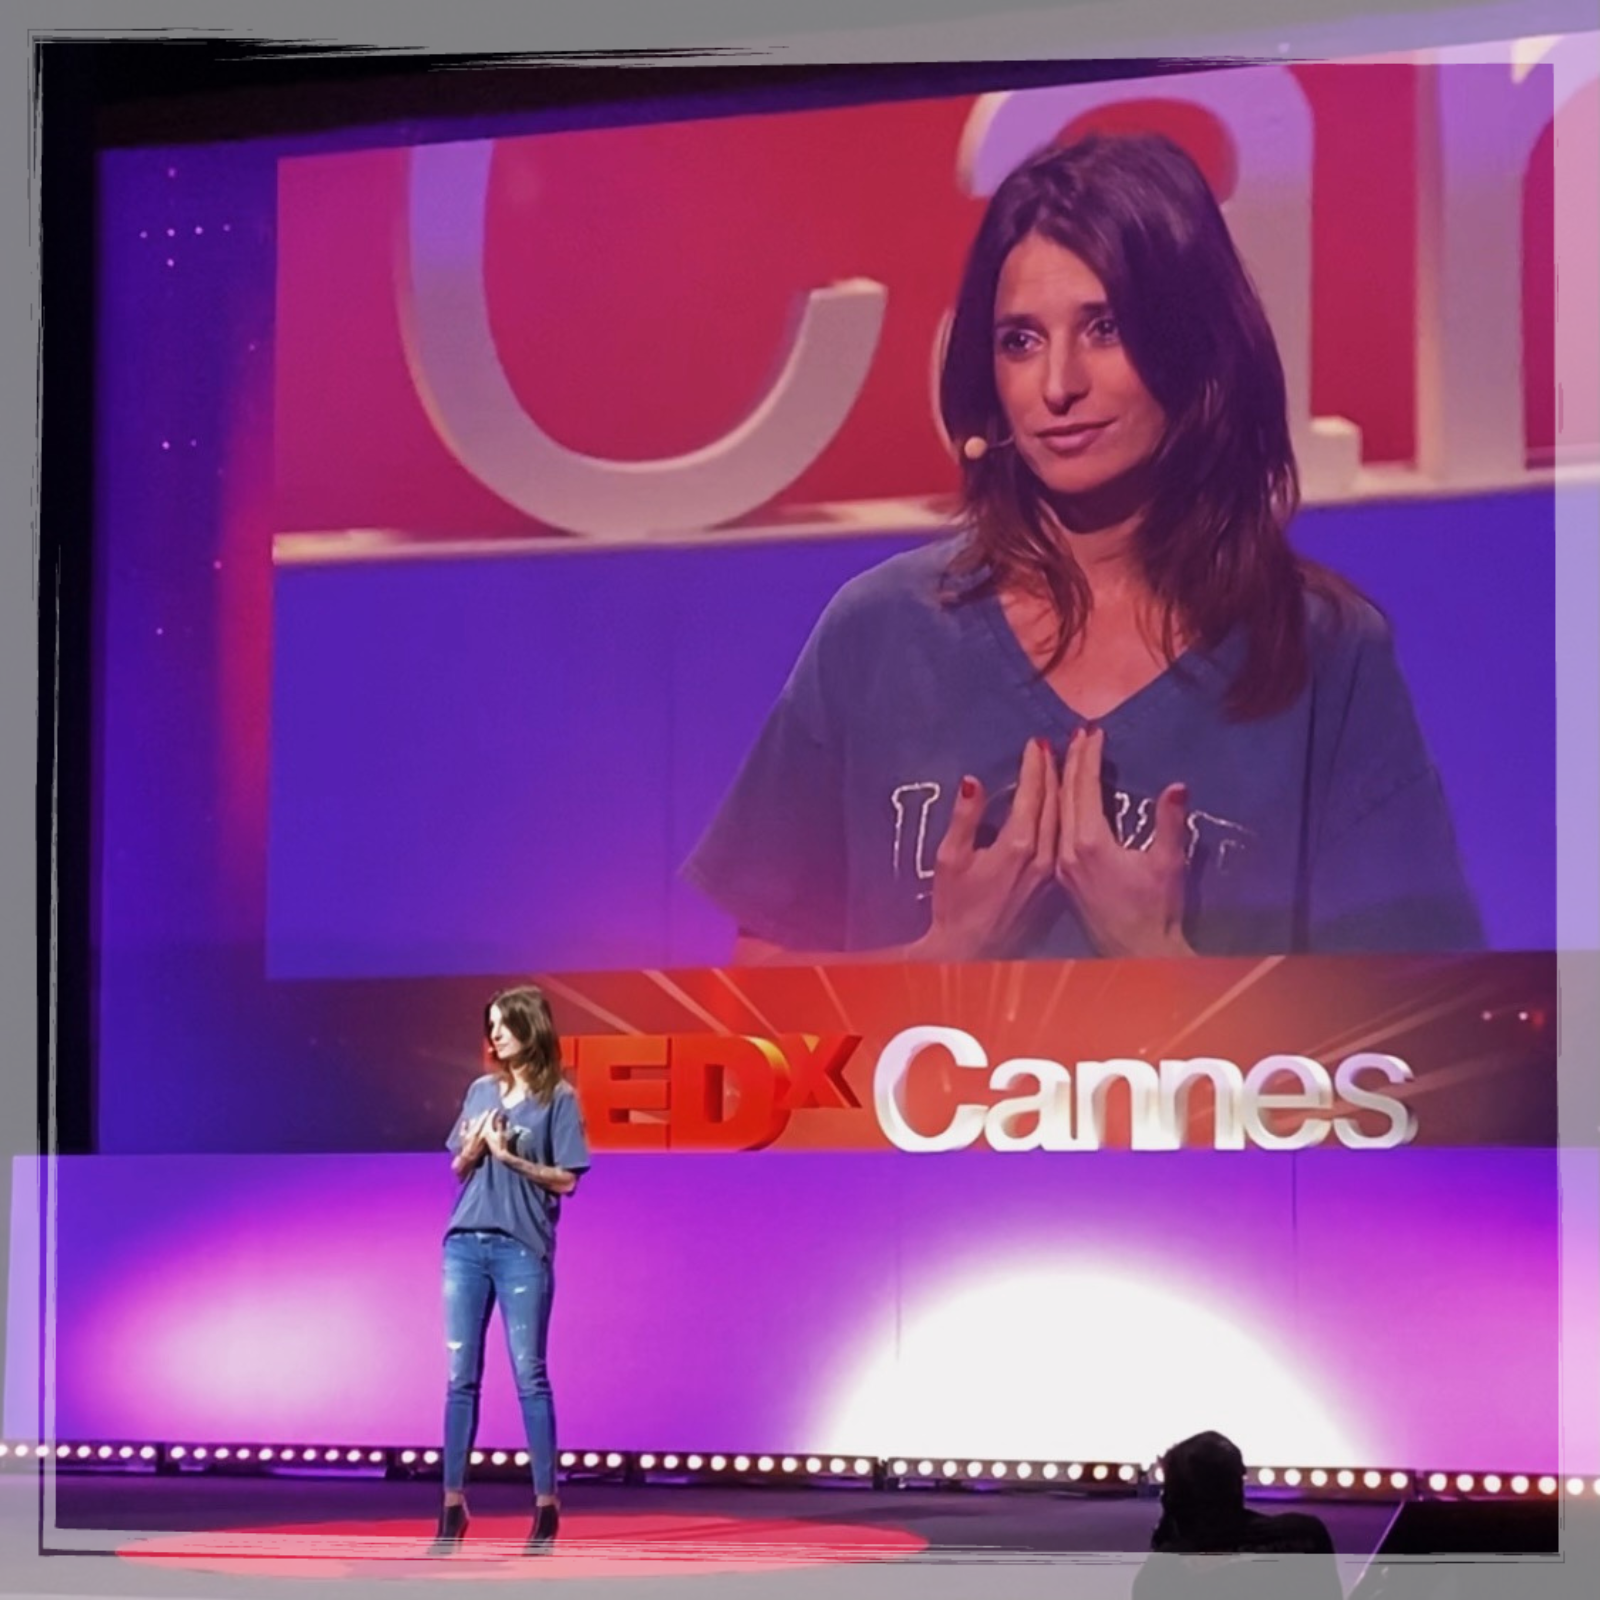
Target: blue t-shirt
<point>493,1198</point>
<point>1322,827</point>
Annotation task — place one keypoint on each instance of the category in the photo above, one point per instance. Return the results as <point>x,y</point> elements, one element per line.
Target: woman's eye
<point>1015,342</point>
<point>1105,330</point>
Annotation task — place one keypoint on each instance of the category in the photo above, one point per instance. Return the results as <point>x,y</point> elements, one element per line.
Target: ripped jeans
<point>481,1270</point>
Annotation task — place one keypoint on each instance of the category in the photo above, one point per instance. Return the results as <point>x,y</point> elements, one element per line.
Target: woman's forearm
<point>556,1179</point>
<point>749,952</point>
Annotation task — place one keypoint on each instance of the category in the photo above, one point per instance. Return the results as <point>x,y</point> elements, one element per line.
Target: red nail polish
<point>969,788</point>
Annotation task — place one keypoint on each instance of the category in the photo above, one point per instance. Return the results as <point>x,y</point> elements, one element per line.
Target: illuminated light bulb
<point>1101,1471</point>
<point>375,1458</point>
<point>1075,1470</point>
<point>693,1463</point>
<point>1127,1473</point>
<point>836,1465</point>
<point>613,1460</point>
<point>646,1462</point>
<point>104,1452</point>
<point>1319,1478</point>
<point>1050,1469</point>
<point>974,1469</point>
<point>813,1464</point>
<point>407,1457</point>
<point>718,1463</point>
<point>1519,1484</point>
<point>499,1458</point>
<point>1292,1477</point>
<point>1372,1480</point>
<point>863,1468</point>
<point>1024,1470</point>
<point>1574,1485</point>
<point>222,1452</point>
<point>200,1453</point>
<point>670,1463</point>
<point>1397,1480</point>
<point>1266,1476</point>
<point>1346,1478</point>
<point>178,1452</point>
<point>591,1459</point>
<point>568,1459</point>
<point>1491,1483</point>
<point>1547,1485</point>
<point>431,1458</point>
<point>1464,1482</point>
<point>477,1458</point>
<point>741,1463</point>
<point>765,1464</point>
<point>790,1464</point>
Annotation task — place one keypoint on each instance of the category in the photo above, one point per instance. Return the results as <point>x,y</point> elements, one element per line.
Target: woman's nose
<point>1065,380</point>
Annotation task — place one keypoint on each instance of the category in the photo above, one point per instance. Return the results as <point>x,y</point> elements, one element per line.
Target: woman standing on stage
<point>518,1147</point>
<point>1114,713</point>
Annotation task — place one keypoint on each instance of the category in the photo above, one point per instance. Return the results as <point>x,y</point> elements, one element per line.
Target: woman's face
<point>1079,413</point>
<point>502,1040</point>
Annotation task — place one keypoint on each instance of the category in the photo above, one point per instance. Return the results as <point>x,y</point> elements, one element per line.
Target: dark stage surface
<point>194,1536</point>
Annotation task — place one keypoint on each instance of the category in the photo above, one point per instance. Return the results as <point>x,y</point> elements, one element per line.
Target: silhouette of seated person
<point>1208,1546</point>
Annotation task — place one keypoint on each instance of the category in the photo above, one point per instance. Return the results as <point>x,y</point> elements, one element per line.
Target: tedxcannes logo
<point>738,1092</point>
<point>1047,1105</point>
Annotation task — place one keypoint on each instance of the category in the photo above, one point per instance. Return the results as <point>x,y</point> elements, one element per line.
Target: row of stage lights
<point>639,1466</point>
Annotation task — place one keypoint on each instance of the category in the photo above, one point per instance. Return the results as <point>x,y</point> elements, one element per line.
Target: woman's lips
<point>1073,440</point>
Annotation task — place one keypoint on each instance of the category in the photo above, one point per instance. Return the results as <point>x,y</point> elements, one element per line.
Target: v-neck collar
<point>1192,668</point>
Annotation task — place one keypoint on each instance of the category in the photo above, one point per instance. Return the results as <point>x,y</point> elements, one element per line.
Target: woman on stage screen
<point>518,1147</point>
<point>1113,713</point>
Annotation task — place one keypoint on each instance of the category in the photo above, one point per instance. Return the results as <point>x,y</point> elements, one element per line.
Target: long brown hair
<point>1212,544</point>
<point>526,1013</point>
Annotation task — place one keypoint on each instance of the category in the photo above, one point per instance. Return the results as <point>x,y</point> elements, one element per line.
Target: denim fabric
<point>482,1270</point>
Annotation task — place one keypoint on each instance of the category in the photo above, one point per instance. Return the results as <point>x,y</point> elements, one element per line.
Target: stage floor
<point>191,1536</point>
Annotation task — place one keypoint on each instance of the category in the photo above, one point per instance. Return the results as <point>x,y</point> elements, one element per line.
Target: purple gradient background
<point>719,1302</point>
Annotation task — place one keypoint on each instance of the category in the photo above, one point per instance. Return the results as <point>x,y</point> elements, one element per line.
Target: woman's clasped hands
<point>1130,900</point>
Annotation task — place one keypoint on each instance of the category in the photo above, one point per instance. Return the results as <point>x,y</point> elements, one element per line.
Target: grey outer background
<point>793,31</point>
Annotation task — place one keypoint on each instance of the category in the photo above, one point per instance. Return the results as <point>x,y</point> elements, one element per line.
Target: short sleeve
<point>774,855</point>
<point>1386,871</point>
<point>569,1143</point>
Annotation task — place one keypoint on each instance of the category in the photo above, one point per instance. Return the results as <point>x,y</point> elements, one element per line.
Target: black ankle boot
<point>546,1519</point>
<point>452,1526</point>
